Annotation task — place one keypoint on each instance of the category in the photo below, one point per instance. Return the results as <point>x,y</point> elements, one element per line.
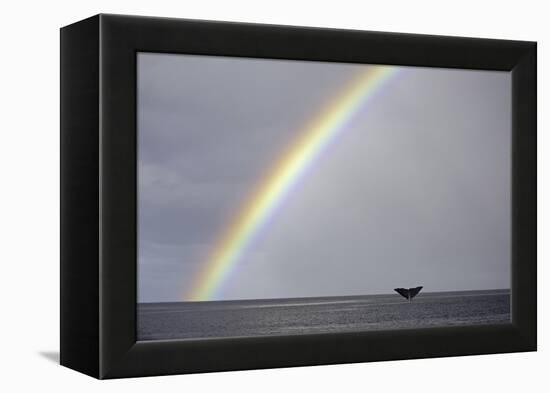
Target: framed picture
<point>239,196</point>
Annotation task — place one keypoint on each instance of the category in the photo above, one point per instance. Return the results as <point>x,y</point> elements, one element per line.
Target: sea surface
<point>165,321</point>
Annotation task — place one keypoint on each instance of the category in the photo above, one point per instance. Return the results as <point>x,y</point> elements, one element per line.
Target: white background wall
<point>29,213</point>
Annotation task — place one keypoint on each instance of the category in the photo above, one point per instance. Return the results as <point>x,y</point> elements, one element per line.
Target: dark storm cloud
<point>415,192</point>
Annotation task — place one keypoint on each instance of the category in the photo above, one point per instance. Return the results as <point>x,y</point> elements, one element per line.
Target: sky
<point>414,191</point>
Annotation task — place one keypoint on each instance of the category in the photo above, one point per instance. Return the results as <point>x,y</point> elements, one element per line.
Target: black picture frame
<point>98,195</point>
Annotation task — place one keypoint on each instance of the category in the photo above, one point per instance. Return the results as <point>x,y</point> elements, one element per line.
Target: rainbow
<point>282,177</point>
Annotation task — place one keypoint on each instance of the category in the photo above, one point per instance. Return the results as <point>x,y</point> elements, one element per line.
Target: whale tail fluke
<point>408,293</point>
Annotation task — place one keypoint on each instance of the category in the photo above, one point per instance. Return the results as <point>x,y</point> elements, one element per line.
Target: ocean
<point>180,320</point>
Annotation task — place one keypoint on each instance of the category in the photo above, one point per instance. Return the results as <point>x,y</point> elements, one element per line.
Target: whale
<point>408,294</point>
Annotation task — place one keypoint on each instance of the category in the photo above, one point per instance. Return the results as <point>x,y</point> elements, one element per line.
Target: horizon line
<point>319,297</point>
